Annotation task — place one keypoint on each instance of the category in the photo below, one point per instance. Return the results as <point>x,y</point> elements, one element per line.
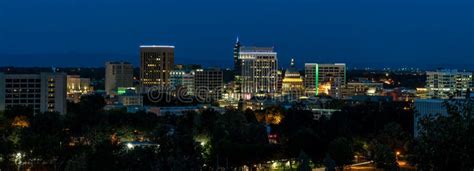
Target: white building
<point>326,79</point>
<point>180,78</point>
<point>131,100</point>
<point>259,71</point>
<point>445,83</point>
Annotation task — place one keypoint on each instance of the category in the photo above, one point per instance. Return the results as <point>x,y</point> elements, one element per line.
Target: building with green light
<point>118,74</point>
<point>324,79</point>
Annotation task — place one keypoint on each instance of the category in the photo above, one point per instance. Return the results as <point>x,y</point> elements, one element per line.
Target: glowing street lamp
<point>397,154</point>
<point>18,159</point>
<point>129,146</point>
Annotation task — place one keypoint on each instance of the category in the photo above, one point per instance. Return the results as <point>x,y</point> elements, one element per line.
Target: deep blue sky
<point>376,33</point>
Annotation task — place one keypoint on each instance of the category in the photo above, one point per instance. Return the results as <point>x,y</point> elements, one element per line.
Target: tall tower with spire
<point>237,62</point>
<point>292,63</point>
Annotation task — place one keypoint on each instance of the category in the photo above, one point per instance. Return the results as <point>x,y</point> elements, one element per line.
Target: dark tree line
<point>89,138</point>
<point>446,142</point>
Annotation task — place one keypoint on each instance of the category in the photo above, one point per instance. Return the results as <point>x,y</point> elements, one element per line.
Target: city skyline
<point>236,85</point>
<point>428,34</point>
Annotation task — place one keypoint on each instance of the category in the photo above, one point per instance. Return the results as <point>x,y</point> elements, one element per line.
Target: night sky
<point>361,33</point>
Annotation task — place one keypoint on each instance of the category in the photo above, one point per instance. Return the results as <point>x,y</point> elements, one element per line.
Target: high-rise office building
<point>447,83</point>
<point>208,84</point>
<point>237,81</point>
<point>44,92</point>
<point>259,75</point>
<point>77,86</point>
<point>237,61</point>
<point>292,84</point>
<point>118,74</point>
<point>156,63</point>
<point>325,79</point>
<point>183,79</point>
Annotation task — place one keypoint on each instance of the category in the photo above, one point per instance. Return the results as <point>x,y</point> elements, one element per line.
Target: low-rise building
<point>77,86</point>
<point>448,83</point>
<point>44,92</point>
<point>362,88</point>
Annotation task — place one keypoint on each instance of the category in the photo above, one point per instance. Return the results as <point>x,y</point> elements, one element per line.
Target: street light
<point>397,154</point>
<point>18,158</point>
<point>129,146</point>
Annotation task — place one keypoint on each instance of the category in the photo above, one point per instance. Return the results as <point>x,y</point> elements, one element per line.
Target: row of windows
<point>22,90</point>
<point>35,107</point>
<point>22,95</point>
<point>22,85</point>
<point>9,101</point>
<point>22,80</point>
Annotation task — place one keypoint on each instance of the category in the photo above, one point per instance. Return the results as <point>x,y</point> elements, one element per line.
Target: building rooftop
<point>156,46</point>
<point>449,71</point>
<point>118,62</point>
<point>256,49</point>
<point>342,64</point>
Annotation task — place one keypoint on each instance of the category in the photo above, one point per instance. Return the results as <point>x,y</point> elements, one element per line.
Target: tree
<point>103,156</point>
<point>6,146</point>
<point>340,150</point>
<point>44,139</point>
<point>394,137</point>
<point>139,158</point>
<point>304,162</point>
<point>86,114</point>
<point>384,157</point>
<point>447,142</point>
<point>329,163</point>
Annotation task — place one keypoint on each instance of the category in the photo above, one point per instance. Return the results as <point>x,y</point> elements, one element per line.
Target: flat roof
<point>325,64</point>
<point>156,46</point>
<point>258,53</point>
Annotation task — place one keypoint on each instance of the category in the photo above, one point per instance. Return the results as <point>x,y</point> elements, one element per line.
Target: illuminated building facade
<point>156,63</point>
<point>362,89</point>
<point>77,86</point>
<point>130,98</point>
<point>259,71</point>
<point>422,93</point>
<point>44,92</point>
<point>445,83</point>
<point>325,79</point>
<point>180,78</point>
<point>292,84</point>
<point>117,74</point>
